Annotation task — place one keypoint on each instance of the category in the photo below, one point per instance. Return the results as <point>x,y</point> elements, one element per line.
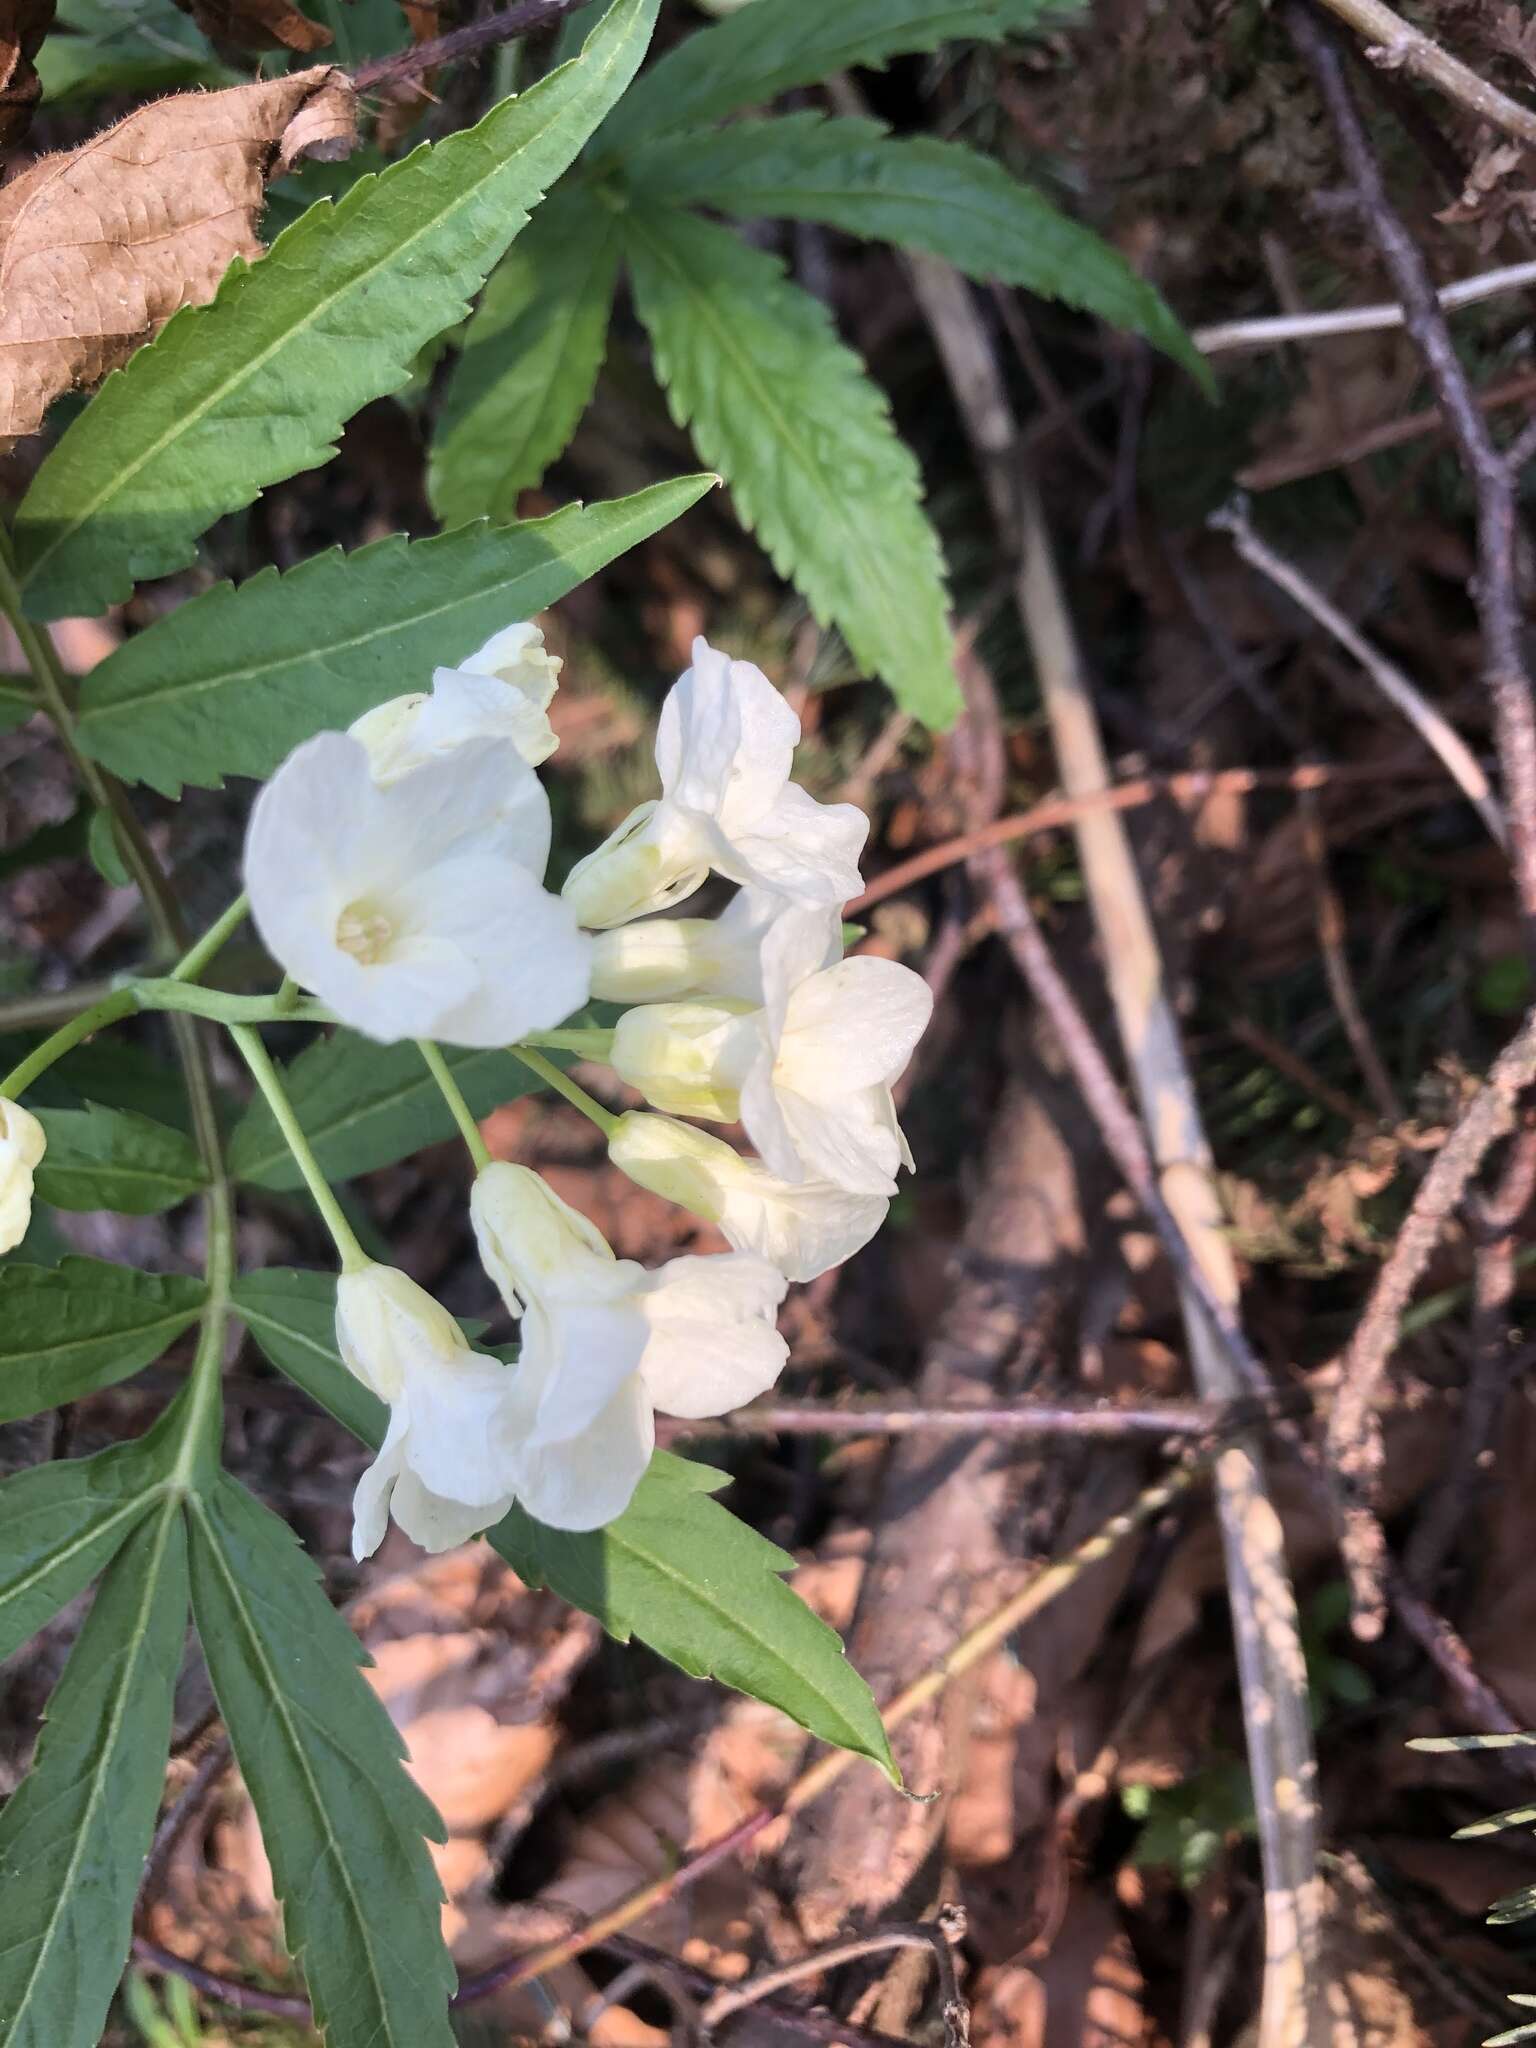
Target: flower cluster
<point>397,873</point>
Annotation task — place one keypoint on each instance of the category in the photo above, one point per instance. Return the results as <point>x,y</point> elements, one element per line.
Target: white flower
<point>803,1228</point>
<point>445,1467</point>
<point>500,692</point>
<point>724,748</point>
<point>809,1073</point>
<point>605,1344</point>
<point>415,910</point>
<point>22,1144</point>
<point>662,958</point>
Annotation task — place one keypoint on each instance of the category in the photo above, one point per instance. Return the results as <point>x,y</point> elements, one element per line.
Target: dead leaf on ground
<point>23,24</point>
<point>100,245</point>
<point>258,24</point>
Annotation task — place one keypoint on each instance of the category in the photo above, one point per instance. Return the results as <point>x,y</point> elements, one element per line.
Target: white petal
<point>853,1026</point>
<point>726,740</point>
<point>803,1230</point>
<point>517,656</point>
<point>532,965</point>
<point>455,1444</point>
<point>853,1143</point>
<point>590,1481</point>
<point>465,708</point>
<point>403,997</point>
<point>654,859</point>
<point>763,1118</point>
<point>386,1326</point>
<point>654,960</point>
<point>581,1353</point>
<point>800,941</point>
<point>300,860</point>
<point>370,1503</point>
<point>388,731</point>
<point>437,1523</point>
<point>714,1345</point>
<point>801,848</point>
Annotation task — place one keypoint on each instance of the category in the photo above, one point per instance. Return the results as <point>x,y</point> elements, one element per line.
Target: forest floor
<point>1342,949</point>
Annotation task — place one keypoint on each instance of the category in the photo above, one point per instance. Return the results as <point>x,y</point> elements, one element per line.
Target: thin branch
<point>1435,731</point>
<point>1494,481</point>
<point>1187,786</point>
<point>1395,46</point>
<point>936,1936</point>
<point>1023,1419</point>
<point>460,43</point>
<point>1268,332</point>
<point>1354,1430</point>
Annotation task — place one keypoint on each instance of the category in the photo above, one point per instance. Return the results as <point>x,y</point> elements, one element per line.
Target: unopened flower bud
<point>22,1144</point>
<point>686,1058</point>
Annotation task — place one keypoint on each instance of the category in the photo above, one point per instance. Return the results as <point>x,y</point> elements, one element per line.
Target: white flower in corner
<point>662,958</point>
<point>22,1144</point>
<point>444,1469</point>
<point>605,1344</point>
<point>809,1073</point>
<point>724,748</point>
<point>415,910</point>
<point>802,1228</point>
<point>502,692</point>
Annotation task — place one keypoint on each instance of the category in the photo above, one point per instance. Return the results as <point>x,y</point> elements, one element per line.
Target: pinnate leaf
<point>363,1105</point>
<point>86,284</point>
<point>235,395</point>
<point>705,1591</point>
<point>531,357</point>
<point>918,192</point>
<point>74,1836</point>
<point>230,682</point>
<point>752,366</point>
<point>112,1159</point>
<point>755,54</point>
<point>70,1329</point>
<point>342,1823</point>
<point>59,1524</point>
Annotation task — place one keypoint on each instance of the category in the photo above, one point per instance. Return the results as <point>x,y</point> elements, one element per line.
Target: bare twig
<point>1186,786</point>
<point>936,1936</point>
<point>1332,934</point>
<point>459,43</point>
<point>1492,476</point>
<point>1267,333</point>
<point>1024,1418</point>
<point>1395,46</point>
<point>1276,470</point>
<point>1354,1432</point>
<point>1494,1220</point>
<point>1435,731</point>
<point>1179,1194</point>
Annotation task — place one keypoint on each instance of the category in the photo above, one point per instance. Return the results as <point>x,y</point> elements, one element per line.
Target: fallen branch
<point>1024,1418</point>
<point>1395,46</point>
<point>460,43</point>
<point>936,1936</point>
<point>1269,332</point>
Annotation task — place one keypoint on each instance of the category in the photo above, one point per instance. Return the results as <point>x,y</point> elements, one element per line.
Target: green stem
<point>458,1108</point>
<point>265,1075</point>
<point>183,999</point>
<point>120,1003</point>
<point>287,997</point>
<point>587,1042</point>
<point>191,965</point>
<point>197,1457</point>
<point>562,1084</point>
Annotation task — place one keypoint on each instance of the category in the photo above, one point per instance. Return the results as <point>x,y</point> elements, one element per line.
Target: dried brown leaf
<point>258,24</point>
<point>100,245</point>
<point>23,24</point>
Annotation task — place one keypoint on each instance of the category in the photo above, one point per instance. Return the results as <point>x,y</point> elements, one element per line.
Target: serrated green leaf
<point>111,1159</point>
<point>342,1822</point>
<point>918,192</point>
<point>531,357</point>
<point>705,1591</point>
<point>59,1524</point>
<point>753,367</point>
<point>229,682</point>
<point>764,50</point>
<point>292,1315</point>
<point>74,1836</point>
<point>70,1329</point>
<point>234,395</point>
<point>363,1105</point>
